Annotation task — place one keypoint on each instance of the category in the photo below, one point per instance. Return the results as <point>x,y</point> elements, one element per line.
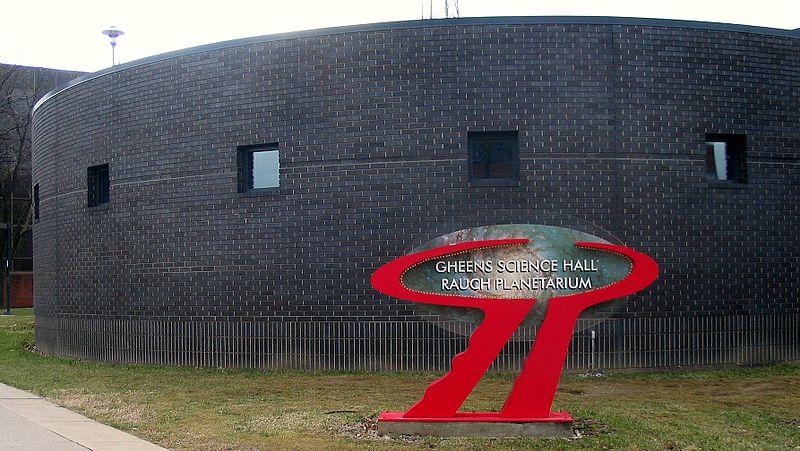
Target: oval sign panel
<point>542,262</point>
<point>503,263</point>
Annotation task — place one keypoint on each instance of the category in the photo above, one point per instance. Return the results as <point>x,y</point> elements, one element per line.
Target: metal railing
<point>628,343</point>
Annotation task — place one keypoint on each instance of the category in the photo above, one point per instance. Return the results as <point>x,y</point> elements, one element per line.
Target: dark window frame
<point>735,156</point>
<point>98,185</point>
<point>475,139</point>
<point>245,176</point>
<point>36,203</point>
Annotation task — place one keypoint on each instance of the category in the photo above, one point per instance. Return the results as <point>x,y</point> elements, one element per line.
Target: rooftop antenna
<point>447,9</point>
<point>113,33</point>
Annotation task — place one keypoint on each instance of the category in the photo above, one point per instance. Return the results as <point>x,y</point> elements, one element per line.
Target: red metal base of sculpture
<point>479,417</point>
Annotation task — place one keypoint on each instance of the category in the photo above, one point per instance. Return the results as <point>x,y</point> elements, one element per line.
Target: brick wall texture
<point>372,129</point>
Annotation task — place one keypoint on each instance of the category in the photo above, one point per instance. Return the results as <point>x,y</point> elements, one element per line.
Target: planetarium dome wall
<point>225,205</point>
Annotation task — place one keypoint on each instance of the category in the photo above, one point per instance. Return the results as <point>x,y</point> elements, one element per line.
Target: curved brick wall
<point>372,126</point>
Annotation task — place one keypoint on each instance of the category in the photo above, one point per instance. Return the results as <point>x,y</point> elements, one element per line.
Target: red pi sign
<point>532,395</point>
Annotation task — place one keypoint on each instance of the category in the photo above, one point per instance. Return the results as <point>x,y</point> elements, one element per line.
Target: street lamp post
<point>9,254</point>
<point>113,33</point>
<point>9,229</point>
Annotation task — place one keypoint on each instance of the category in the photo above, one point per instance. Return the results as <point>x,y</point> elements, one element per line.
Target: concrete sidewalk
<point>28,422</point>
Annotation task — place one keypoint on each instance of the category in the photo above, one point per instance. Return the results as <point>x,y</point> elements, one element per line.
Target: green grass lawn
<point>189,408</point>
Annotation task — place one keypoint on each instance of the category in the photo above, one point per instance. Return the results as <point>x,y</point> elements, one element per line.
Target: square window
<point>98,185</point>
<point>259,167</point>
<point>726,157</point>
<point>36,203</point>
<point>493,158</point>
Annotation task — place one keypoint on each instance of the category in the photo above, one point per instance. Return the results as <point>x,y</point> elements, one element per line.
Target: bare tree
<point>18,92</point>
<point>20,88</point>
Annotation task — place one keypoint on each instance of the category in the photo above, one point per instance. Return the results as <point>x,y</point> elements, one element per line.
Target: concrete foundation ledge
<point>476,425</point>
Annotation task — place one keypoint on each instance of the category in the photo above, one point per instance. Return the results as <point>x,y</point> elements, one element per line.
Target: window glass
<point>265,169</point>
<point>726,157</point>
<point>493,158</point>
<point>98,185</point>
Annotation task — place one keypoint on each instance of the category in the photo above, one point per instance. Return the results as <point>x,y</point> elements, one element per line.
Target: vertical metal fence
<point>629,343</point>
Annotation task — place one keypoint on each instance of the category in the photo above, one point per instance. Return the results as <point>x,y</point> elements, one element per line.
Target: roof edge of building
<point>410,24</point>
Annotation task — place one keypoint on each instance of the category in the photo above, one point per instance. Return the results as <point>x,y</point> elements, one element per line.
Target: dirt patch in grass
<point>362,430</point>
<point>589,427</point>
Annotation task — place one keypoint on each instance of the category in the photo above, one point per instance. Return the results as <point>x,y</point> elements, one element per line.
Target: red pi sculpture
<point>532,395</point>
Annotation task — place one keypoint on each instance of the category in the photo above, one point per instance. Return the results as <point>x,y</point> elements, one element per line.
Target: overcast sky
<point>67,34</point>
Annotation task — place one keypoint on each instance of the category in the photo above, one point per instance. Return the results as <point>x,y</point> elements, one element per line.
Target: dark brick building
<point>226,204</point>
